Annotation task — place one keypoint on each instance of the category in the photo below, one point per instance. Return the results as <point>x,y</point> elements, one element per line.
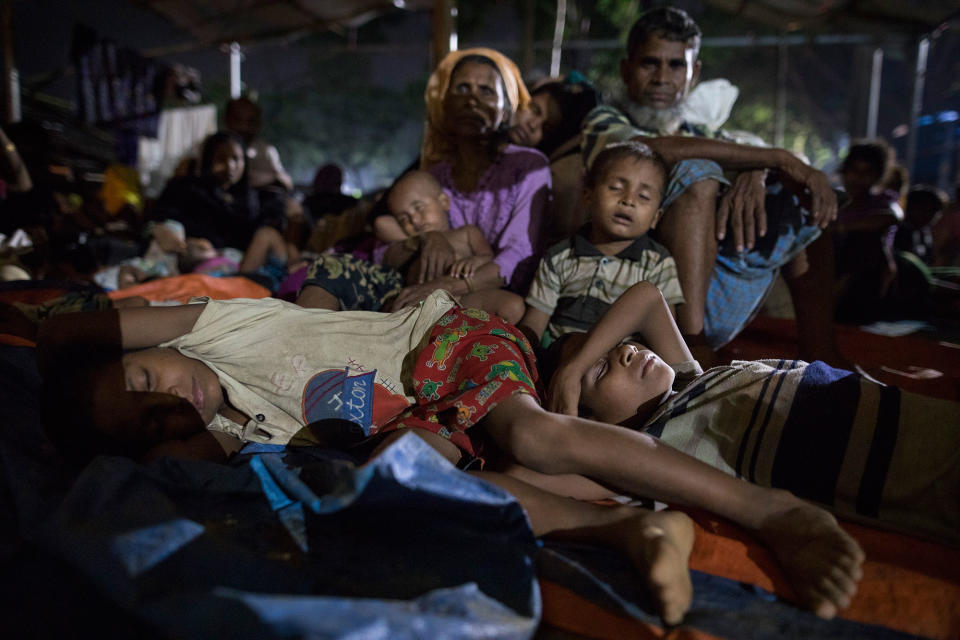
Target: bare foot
<point>821,561</point>
<point>659,547</point>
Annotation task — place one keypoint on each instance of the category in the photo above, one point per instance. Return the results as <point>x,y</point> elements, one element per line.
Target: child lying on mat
<point>861,448</point>
<point>262,370</point>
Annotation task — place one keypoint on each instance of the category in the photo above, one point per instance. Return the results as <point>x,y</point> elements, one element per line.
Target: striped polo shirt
<point>576,283</point>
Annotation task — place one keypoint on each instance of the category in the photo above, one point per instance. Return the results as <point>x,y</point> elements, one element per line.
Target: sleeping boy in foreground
<point>269,371</point>
<point>863,449</point>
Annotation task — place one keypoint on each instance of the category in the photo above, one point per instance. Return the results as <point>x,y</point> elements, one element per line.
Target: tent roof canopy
<point>211,22</point>
<point>850,16</point>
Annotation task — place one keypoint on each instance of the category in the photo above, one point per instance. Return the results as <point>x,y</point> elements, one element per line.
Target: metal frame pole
<point>236,56</point>
<point>916,103</point>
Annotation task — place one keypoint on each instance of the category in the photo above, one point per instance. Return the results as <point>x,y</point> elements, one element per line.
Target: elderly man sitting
<point>729,249</point>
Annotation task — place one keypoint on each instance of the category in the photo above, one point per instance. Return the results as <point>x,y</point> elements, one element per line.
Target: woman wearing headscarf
<point>501,188</point>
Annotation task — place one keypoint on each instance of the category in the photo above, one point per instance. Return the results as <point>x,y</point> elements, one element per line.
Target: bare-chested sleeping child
<point>461,379</point>
<point>420,206</point>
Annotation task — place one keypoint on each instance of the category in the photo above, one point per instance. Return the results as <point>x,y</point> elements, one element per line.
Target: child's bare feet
<point>821,561</point>
<point>659,546</point>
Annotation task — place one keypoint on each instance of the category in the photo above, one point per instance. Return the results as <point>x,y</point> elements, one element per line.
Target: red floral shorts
<point>472,362</point>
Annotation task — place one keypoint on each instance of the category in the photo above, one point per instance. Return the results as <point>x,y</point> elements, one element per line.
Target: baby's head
<point>623,189</point>
<point>627,384</point>
<point>419,204</point>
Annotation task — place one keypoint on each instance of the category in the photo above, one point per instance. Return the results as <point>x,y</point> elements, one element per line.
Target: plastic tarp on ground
<point>278,544</point>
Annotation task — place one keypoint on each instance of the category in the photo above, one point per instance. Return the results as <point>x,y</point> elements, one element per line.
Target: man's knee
<point>695,206</point>
<point>702,193</point>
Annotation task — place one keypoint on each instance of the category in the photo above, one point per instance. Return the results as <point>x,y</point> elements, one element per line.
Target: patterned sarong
<point>472,362</point>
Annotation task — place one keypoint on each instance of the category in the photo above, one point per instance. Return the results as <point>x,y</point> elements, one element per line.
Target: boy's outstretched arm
<point>149,326</point>
<point>640,309</point>
<point>822,562</point>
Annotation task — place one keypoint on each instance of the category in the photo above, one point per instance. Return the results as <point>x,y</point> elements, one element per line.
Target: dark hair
<point>328,179</point>
<point>924,202</point>
<point>876,153</point>
<point>617,151</point>
<point>576,100</point>
<point>668,23</point>
<point>233,103</point>
<point>897,179</point>
<point>477,58</point>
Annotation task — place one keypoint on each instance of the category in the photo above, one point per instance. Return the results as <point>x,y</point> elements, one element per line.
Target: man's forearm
<point>729,155</point>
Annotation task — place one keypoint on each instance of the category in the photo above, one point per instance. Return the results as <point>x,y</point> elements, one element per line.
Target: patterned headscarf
<point>437,145</point>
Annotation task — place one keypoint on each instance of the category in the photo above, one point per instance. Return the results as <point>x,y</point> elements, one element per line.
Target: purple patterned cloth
<point>507,206</point>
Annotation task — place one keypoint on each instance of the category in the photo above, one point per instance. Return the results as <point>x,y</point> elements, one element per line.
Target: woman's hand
<point>467,267</point>
<point>436,256</point>
<point>415,293</point>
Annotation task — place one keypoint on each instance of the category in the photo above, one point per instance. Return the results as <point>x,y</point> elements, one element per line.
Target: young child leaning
<point>269,371</point>
<point>401,278</point>
<point>420,206</point>
<point>865,450</point>
<point>579,278</point>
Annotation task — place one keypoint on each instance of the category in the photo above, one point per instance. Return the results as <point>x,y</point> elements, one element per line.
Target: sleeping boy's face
<point>629,380</point>
<point>419,204</point>
<point>625,201</point>
<point>168,371</point>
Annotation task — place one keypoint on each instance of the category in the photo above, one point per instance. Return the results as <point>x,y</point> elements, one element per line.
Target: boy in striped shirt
<point>579,278</point>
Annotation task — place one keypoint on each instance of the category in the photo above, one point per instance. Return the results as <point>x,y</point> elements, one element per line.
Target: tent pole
<point>11,78</point>
<point>916,103</point>
<point>444,29</point>
<point>780,122</point>
<point>873,107</point>
<point>236,86</point>
<point>558,38</point>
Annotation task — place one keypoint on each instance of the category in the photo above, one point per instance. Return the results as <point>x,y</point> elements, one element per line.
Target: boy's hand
<point>436,256</point>
<point>563,396</point>
<point>467,267</point>
<point>564,393</point>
